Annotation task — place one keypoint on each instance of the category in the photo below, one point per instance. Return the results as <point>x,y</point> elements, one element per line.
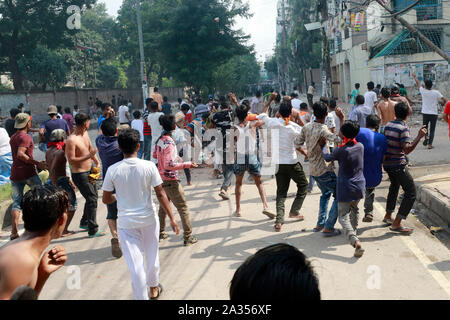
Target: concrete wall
<point>37,102</point>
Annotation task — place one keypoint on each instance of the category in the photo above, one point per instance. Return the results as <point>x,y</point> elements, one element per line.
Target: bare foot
<point>67,233</point>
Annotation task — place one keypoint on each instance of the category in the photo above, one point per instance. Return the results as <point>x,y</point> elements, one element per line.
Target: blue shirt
<point>375,146</point>
<point>100,120</point>
<point>51,125</point>
<point>351,184</point>
<point>108,149</point>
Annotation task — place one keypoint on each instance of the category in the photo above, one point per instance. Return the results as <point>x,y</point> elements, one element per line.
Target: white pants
<point>135,243</point>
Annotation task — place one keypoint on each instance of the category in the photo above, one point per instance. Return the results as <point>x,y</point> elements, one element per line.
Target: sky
<point>261,27</point>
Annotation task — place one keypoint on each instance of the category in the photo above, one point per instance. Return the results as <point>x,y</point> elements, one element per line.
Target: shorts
<point>112,211</point>
<point>254,168</point>
<point>64,183</point>
<point>17,189</point>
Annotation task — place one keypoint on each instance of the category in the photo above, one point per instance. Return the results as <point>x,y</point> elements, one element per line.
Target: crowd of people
<point>141,154</point>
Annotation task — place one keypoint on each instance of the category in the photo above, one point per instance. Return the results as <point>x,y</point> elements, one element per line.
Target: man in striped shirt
<point>395,164</point>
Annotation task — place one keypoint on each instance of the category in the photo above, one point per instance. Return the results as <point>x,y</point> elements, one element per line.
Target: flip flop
<point>388,221</point>
<point>269,214</point>
<point>160,287</point>
<point>402,230</point>
<point>237,214</point>
<point>368,217</point>
<point>316,229</point>
<point>84,227</point>
<point>297,217</point>
<point>335,232</point>
<point>96,235</point>
<point>278,227</point>
<point>359,252</point>
<point>13,237</point>
<point>69,233</point>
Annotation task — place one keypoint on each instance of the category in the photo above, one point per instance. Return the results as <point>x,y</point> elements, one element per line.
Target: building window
<point>346,33</point>
<point>429,10</point>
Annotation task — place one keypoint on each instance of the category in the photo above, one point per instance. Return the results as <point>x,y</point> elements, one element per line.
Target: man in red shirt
<point>147,131</point>
<point>447,116</point>
<point>23,170</point>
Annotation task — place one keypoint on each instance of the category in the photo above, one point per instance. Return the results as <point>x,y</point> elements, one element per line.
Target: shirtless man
<point>295,115</point>
<point>386,109</point>
<point>396,97</point>
<point>56,161</point>
<point>80,154</point>
<point>20,260</point>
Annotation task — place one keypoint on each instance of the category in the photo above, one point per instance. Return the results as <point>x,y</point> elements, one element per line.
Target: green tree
<point>108,76</point>
<point>44,68</point>
<point>27,24</point>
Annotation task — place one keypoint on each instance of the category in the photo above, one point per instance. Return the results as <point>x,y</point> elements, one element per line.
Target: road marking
<point>440,278</point>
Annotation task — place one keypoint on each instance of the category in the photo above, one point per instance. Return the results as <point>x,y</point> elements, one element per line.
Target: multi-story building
<point>368,44</point>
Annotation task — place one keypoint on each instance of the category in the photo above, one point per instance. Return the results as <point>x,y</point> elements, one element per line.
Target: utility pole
<point>141,50</point>
<point>413,30</point>
<point>326,66</point>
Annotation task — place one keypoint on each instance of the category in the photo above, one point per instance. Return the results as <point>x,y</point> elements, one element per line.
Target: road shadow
<point>442,265</point>
<point>91,256</point>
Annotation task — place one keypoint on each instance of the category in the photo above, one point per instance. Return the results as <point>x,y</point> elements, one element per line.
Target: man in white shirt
<point>310,94</point>
<point>124,116</point>
<point>360,112</point>
<point>289,164</point>
<point>430,113</point>
<point>153,122</point>
<point>138,124</point>
<point>296,102</point>
<point>256,105</point>
<point>133,180</point>
<point>370,97</point>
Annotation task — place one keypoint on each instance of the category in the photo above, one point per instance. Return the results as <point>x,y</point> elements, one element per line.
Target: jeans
<point>89,192</point>
<point>175,194</point>
<point>17,189</point>
<point>368,200</point>
<point>141,149</point>
<point>6,161</point>
<point>400,177</point>
<point>187,171</point>
<point>432,120</point>
<point>327,184</point>
<point>147,147</point>
<point>228,170</point>
<point>348,218</point>
<point>285,173</point>
<point>311,183</point>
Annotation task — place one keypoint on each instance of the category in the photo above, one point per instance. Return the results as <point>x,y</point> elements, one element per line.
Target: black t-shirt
<point>9,126</point>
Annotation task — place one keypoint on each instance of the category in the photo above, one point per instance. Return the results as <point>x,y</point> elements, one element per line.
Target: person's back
<point>361,113</point>
<point>153,121</point>
<point>375,145</point>
<point>123,109</point>
<point>166,107</point>
<point>386,110</point>
<point>108,147</point>
<point>54,124</point>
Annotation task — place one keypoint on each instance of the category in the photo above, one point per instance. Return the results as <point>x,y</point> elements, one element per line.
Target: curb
<point>5,213</point>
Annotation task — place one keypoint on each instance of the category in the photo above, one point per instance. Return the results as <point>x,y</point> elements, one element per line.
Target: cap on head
<point>22,120</point>
<point>58,135</point>
<point>52,110</point>
<point>179,117</point>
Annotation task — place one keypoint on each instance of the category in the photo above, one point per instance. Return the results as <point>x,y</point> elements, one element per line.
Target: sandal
<point>296,216</point>
<point>237,214</point>
<point>368,217</point>
<point>269,214</point>
<point>389,222</point>
<point>359,251</point>
<point>115,248</point>
<point>430,147</point>
<point>84,227</point>
<point>278,227</point>
<point>160,290</point>
<point>67,234</point>
<point>335,232</point>
<point>402,230</point>
<point>13,237</point>
<point>317,229</point>
<point>96,235</point>
<point>224,195</point>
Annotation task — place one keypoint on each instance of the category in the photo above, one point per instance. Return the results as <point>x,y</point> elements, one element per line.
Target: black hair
<point>215,105</point>
<point>14,112</point>
<point>199,100</point>
<point>165,99</point>
<point>360,100</point>
<point>350,129</point>
<point>278,97</point>
<point>137,114</point>
<point>28,112</point>
<point>275,273</point>
<point>156,89</point>
<point>81,118</point>
<point>357,85</point>
<point>223,105</point>
<point>325,100</point>
<point>395,90</point>
<point>379,86</point>
<point>105,106</point>
<point>370,85</point>
<point>241,112</point>
<point>148,101</point>
<point>109,127</point>
<point>428,84</point>
<point>285,109</point>
<point>167,122</point>
<point>283,93</point>
<point>75,107</point>
<point>128,140</point>
<point>154,106</point>
<point>205,116</point>
<point>246,103</point>
<point>42,206</point>
<point>67,110</point>
<point>59,108</point>
<point>401,111</point>
<point>333,104</point>
<point>320,110</point>
<point>303,106</point>
<point>373,121</point>
<point>185,107</point>
<point>385,93</point>
<point>258,94</point>
<point>180,100</point>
